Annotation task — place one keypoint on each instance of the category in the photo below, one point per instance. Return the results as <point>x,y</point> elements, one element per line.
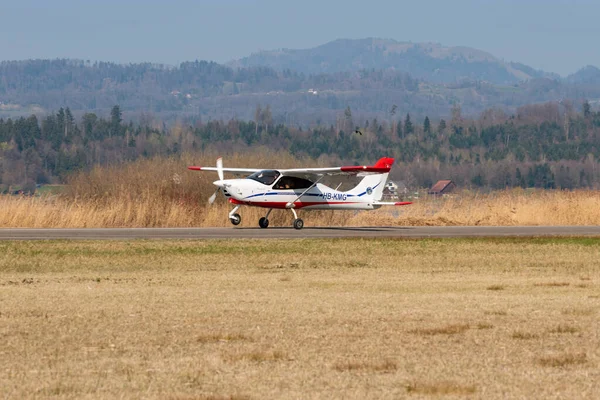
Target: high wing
<point>233,170</point>
<point>354,170</point>
<point>381,167</point>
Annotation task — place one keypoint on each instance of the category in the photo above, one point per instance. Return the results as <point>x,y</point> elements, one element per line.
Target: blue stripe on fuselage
<point>290,193</point>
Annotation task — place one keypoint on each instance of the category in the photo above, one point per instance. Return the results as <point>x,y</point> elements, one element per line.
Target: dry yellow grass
<point>563,328</point>
<point>161,192</point>
<point>297,319</point>
<point>153,209</point>
<point>444,330</point>
<point>562,360</point>
<point>378,366</point>
<point>524,335</point>
<point>509,208</point>
<point>441,388</point>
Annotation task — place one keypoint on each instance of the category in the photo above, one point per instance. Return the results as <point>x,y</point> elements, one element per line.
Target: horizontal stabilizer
<point>392,203</point>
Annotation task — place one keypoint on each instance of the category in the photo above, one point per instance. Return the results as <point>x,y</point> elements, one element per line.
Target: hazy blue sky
<point>555,35</point>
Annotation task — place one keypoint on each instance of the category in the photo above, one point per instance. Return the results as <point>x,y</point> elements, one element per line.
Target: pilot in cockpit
<point>283,183</point>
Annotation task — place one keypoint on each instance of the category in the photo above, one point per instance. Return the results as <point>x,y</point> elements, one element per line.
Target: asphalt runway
<point>290,233</point>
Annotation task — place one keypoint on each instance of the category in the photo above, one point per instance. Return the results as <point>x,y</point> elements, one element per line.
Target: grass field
<point>352,318</point>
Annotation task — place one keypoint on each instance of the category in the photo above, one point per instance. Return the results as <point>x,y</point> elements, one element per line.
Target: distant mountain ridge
<point>427,61</point>
<point>370,76</point>
<point>586,75</point>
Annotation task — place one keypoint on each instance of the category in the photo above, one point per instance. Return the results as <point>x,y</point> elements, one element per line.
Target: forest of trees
<point>215,91</point>
<point>157,88</point>
<point>548,145</point>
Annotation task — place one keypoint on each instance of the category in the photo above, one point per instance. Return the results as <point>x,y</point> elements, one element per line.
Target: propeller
<point>220,168</point>
<point>212,198</point>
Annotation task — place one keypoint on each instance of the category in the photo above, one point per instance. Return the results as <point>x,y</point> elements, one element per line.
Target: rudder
<point>372,185</point>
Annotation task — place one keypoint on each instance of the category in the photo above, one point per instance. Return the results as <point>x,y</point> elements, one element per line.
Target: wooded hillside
<point>548,145</point>
<point>207,90</point>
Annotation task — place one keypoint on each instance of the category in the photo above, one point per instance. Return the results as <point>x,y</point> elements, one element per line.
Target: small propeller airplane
<point>300,188</point>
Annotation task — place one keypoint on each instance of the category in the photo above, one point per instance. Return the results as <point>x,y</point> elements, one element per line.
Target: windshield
<point>266,177</point>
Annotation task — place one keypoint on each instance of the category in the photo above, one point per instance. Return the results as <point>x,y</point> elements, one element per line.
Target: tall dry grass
<point>501,208</point>
<point>161,192</point>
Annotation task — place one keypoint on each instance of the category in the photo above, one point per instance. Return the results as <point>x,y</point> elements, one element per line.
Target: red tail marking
<point>382,166</point>
<point>385,162</point>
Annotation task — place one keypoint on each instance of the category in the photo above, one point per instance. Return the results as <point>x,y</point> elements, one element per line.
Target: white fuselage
<point>319,197</point>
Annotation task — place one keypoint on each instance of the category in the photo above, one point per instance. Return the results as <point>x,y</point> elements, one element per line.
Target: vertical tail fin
<point>372,185</point>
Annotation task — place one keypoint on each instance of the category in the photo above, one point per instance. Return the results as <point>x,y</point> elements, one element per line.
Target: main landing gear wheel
<point>298,223</point>
<point>235,219</point>
<point>263,222</point>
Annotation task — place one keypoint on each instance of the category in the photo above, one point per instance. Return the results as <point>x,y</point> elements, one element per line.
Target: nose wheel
<point>235,219</point>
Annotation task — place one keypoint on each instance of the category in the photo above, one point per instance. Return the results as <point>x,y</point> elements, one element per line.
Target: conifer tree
<point>408,126</point>
<point>115,120</point>
<point>426,125</point>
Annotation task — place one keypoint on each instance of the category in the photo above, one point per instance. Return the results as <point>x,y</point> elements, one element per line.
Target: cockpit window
<point>292,182</point>
<point>266,176</point>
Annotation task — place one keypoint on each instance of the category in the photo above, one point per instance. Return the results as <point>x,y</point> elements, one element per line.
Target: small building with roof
<point>442,187</point>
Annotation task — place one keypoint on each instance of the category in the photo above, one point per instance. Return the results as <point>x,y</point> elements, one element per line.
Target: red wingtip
<point>402,203</point>
<point>195,168</point>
